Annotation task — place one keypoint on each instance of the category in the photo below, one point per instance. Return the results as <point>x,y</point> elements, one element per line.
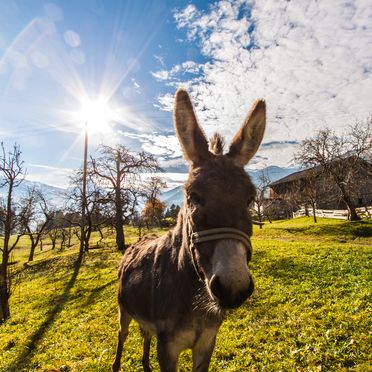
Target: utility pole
<point>83,248</point>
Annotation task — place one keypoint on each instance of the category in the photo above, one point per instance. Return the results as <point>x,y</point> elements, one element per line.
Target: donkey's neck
<point>181,243</point>
<point>202,302</point>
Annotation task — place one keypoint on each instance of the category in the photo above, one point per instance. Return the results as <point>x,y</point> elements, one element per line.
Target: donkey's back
<point>146,279</point>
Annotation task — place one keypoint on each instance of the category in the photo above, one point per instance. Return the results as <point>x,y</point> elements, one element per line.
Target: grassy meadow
<point>310,310</point>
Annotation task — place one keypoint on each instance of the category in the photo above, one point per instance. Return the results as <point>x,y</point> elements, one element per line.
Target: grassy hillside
<point>310,310</point>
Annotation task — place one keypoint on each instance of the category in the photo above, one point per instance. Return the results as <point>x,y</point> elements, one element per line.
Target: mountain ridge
<point>274,173</point>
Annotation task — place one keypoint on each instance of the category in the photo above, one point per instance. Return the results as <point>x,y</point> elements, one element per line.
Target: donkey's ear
<point>247,141</point>
<point>192,139</point>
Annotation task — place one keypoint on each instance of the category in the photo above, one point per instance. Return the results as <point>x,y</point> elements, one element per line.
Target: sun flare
<point>97,114</point>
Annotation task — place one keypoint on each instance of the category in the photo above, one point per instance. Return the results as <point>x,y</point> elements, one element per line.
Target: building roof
<point>314,170</point>
<point>297,175</point>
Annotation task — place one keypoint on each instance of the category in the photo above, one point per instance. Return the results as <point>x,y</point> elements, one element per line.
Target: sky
<point>310,60</point>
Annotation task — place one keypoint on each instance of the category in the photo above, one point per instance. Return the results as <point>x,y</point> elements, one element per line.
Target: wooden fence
<point>341,214</point>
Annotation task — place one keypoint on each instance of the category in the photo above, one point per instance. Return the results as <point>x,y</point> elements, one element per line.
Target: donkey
<point>179,286</point>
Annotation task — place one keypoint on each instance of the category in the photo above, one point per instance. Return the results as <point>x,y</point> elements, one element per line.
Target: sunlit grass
<point>310,309</point>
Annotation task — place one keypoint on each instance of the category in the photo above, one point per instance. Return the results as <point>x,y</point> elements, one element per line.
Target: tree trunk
<point>259,214</point>
<point>53,239</point>
<point>314,212</point>
<point>119,224</point>
<point>4,282</point>
<point>34,243</point>
<point>307,211</point>
<point>349,205</point>
<point>69,238</point>
<point>63,239</point>
<point>4,288</point>
<point>32,252</point>
<point>100,232</point>
<point>87,235</point>
<point>353,214</point>
<point>119,227</point>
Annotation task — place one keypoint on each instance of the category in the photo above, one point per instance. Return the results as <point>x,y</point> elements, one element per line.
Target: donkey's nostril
<point>215,286</point>
<point>228,298</point>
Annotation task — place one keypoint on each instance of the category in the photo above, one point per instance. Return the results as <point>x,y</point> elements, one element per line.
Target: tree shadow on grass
<point>352,230</point>
<point>44,265</point>
<point>26,355</point>
<point>288,269</point>
<point>91,299</point>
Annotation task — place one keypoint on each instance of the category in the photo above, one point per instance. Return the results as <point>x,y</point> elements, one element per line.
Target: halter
<point>218,234</point>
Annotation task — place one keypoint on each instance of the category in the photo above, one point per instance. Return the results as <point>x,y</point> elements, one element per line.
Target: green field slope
<point>310,310</point>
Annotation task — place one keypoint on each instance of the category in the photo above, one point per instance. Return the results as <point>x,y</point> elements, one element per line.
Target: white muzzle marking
<point>229,263</point>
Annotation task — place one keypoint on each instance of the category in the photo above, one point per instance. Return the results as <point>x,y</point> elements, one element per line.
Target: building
<point>315,186</point>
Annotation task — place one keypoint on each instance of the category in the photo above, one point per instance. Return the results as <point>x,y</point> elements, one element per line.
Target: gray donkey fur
<point>180,294</point>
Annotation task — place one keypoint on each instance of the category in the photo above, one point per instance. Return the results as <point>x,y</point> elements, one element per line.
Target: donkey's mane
<point>217,144</point>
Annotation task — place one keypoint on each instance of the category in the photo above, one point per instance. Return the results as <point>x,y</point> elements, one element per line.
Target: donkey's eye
<point>196,199</point>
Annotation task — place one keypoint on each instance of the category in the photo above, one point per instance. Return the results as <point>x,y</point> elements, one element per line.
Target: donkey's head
<point>217,193</point>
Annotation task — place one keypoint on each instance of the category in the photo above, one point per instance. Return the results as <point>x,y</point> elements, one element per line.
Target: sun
<point>96,114</point>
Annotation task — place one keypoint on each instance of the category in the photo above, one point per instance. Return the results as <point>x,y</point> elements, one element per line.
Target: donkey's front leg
<point>124,321</point>
<point>202,352</point>
<point>167,354</point>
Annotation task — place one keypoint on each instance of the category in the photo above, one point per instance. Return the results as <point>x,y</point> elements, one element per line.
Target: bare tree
<point>304,191</point>
<point>118,170</point>
<point>95,197</point>
<point>338,156</point>
<point>13,173</point>
<point>261,201</point>
<point>52,228</point>
<point>58,227</point>
<point>35,216</point>
<point>360,140</point>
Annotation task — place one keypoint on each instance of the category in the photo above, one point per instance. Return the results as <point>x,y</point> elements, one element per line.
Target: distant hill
<point>275,173</point>
<point>175,195</point>
<point>54,194</point>
<point>172,196</point>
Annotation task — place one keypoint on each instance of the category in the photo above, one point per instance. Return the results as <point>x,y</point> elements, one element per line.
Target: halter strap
<point>217,234</point>
<point>222,233</point>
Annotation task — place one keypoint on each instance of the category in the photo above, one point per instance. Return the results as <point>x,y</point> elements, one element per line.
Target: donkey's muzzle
<point>230,299</point>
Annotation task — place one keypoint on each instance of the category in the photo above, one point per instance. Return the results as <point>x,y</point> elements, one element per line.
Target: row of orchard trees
<point>114,191</point>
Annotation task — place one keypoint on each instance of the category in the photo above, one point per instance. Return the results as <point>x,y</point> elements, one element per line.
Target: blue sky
<point>311,61</point>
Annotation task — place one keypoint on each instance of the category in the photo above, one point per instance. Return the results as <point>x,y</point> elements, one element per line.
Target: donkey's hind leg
<point>124,321</point>
<point>146,350</point>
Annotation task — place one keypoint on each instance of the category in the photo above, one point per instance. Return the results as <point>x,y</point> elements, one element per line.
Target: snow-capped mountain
<point>175,195</point>
<point>53,194</point>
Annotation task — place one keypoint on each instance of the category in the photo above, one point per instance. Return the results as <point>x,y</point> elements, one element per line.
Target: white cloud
<point>39,60</point>
<point>161,75</point>
<point>190,67</point>
<point>166,102</point>
<point>158,57</point>
<point>185,16</point>
<point>311,61</point>
<point>164,146</point>
<point>71,38</point>
<point>50,175</point>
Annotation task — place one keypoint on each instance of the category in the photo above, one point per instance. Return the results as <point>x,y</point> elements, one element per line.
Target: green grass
<point>310,310</point>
